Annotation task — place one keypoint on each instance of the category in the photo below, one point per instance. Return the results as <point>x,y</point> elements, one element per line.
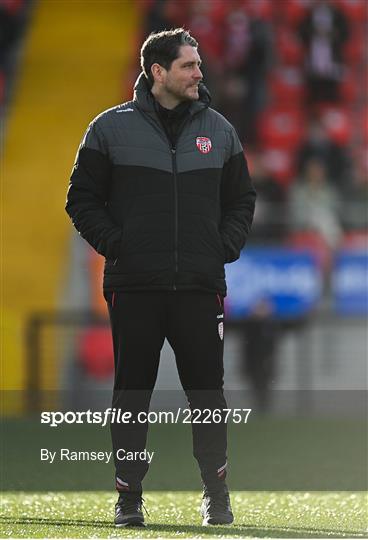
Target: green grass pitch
<point>175,515</point>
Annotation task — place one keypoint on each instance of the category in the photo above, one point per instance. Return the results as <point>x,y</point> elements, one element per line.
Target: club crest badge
<point>204,144</point>
<point>221,330</point>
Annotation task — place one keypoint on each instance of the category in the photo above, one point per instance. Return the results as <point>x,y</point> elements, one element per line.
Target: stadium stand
<point>255,64</point>
<point>71,65</point>
<point>231,34</point>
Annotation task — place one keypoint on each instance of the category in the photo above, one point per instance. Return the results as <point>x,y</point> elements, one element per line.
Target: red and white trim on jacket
<point>222,470</point>
<point>121,485</point>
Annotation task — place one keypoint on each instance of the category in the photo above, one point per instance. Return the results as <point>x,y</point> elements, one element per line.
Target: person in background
<point>355,196</point>
<point>270,218</point>
<point>336,158</point>
<point>260,337</point>
<point>315,205</point>
<point>323,31</point>
<point>247,53</point>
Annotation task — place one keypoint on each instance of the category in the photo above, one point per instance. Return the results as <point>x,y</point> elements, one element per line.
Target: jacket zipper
<point>176,224</point>
<point>175,172</point>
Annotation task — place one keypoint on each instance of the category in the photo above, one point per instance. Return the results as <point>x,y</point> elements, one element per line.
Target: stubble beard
<point>183,95</point>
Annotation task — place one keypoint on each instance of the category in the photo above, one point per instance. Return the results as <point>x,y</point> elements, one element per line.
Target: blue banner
<point>350,283</point>
<point>288,280</point>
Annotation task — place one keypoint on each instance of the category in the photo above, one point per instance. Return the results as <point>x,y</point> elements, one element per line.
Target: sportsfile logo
<point>108,416</point>
<point>117,416</point>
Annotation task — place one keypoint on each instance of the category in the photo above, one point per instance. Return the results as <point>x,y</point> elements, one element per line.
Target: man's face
<point>182,79</point>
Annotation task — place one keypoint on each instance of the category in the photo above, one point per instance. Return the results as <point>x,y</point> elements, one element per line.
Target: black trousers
<point>192,322</point>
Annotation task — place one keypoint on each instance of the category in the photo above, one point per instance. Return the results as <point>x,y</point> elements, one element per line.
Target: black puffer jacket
<point>164,218</point>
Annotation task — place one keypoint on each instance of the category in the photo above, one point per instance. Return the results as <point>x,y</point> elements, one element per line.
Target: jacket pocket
<point>113,262</point>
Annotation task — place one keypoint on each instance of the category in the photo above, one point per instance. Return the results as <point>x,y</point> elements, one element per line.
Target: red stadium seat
<point>355,10</point>
<point>287,87</point>
<point>279,164</point>
<point>262,9</point>
<point>95,352</point>
<point>337,123</point>
<point>281,128</point>
<point>145,5</point>
<point>293,11</point>
<point>353,49</point>
<point>13,6</point>
<point>289,47</point>
<point>205,25</point>
<point>365,125</point>
<point>348,87</point>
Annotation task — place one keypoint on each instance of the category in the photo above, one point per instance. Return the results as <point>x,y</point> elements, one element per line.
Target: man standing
<point>161,189</point>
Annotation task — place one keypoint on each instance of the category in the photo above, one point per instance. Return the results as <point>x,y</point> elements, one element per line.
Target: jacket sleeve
<point>88,192</point>
<point>237,201</point>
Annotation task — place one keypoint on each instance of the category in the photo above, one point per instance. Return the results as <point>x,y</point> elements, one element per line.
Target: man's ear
<point>158,72</point>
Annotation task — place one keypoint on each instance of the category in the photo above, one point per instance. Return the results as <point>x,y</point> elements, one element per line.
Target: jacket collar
<point>146,102</point>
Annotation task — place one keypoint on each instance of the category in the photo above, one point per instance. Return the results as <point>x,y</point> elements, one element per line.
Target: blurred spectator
<point>235,49</point>
<point>269,222</point>
<point>13,19</point>
<point>324,31</point>
<point>335,158</point>
<point>260,338</point>
<point>165,14</point>
<point>314,204</point>
<point>355,215</point>
<point>247,52</point>
<point>232,103</point>
<point>9,33</point>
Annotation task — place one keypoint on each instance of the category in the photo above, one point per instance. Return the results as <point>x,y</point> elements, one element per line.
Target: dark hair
<point>163,48</point>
